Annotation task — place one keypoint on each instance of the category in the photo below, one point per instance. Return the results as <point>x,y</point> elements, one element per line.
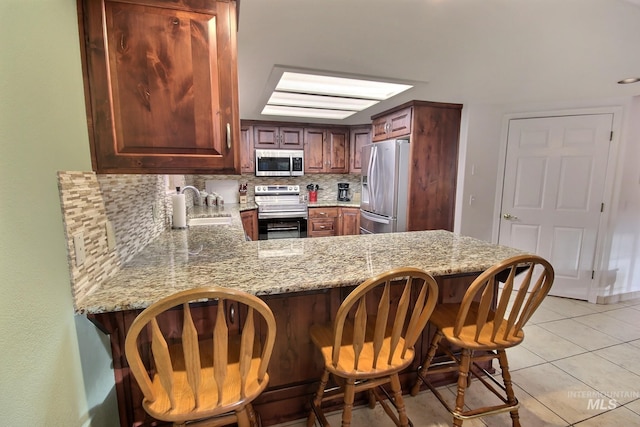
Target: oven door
<point>282,228</point>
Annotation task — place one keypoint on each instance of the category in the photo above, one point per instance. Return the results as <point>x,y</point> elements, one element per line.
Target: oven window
<point>290,228</point>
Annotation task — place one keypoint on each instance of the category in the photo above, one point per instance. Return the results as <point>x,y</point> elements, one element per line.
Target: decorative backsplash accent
<point>129,202</point>
<point>328,183</point>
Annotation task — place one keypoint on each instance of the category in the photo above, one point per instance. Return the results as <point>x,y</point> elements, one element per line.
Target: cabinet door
<point>161,86</point>
<point>379,129</point>
<point>392,125</point>
<point>349,224</point>
<point>314,161</point>
<point>247,153</point>
<point>250,223</point>
<point>399,123</point>
<point>292,138</point>
<point>336,151</point>
<point>271,137</point>
<point>266,137</point>
<point>358,138</point>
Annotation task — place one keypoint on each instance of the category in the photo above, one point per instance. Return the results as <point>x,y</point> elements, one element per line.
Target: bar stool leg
<point>317,402</point>
<point>463,381</point>
<point>425,366</point>
<point>397,396</point>
<point>349,395</point>
<point>506,377</point>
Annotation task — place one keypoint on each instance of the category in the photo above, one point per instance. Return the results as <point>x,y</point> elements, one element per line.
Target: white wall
<point>479,168</point>
<point>48,375</point>
<point>623,241</point>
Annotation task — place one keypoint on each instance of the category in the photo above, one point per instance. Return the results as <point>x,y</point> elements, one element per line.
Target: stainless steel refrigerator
<point>385,178</point>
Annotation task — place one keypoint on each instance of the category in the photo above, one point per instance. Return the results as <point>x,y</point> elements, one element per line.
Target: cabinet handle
<point>228,136</point>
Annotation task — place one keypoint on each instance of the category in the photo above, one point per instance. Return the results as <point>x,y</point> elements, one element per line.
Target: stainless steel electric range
<point>281,214</point>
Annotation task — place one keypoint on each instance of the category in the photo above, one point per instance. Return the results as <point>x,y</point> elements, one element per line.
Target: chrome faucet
<point>191,187</point>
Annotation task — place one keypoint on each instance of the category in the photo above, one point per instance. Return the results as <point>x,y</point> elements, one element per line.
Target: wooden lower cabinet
<point>296,365</point>
<point>322,222</point>
<point>349,222</point>
<point>250,223</point>
<point>333,221</point>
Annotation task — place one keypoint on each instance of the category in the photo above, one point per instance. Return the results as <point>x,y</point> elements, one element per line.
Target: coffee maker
<point>343,192</point>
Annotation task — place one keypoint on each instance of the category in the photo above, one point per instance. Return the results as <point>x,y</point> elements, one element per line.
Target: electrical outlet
<point>78,246</point>
<point>111,236</point>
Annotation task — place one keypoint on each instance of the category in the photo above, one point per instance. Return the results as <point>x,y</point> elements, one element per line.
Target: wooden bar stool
<point>212,377</point>
<point>372,340</point>
<point>483,325</point>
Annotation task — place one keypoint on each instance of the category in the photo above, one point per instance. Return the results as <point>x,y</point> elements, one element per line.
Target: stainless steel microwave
<point>279,162</point>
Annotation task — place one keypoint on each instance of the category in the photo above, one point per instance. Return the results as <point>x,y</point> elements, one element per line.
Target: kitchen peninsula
<point>302,280</point>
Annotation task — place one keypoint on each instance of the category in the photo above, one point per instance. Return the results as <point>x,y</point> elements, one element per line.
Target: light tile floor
<point>579,365</point>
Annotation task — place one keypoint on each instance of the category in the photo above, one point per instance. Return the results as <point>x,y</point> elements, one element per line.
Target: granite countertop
<point>333,203</point>
<point>218,255</point>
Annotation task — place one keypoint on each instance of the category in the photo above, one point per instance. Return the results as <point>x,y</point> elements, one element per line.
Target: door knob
<point>509,216</point>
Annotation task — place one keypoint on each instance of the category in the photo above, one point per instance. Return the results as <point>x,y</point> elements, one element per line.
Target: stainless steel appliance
<point>281,215</point>
<point>279,162</point>
<point>385,178</point>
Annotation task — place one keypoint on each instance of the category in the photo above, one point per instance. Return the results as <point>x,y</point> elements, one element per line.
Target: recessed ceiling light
<point>320,101</point>
<point>629,80</point>
<point>322,96</point>
<point>279,110</point>
<point>338,86</point>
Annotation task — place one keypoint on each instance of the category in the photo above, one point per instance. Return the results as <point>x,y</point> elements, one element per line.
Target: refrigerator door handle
<point>371,178</point>
<point>376,218</point>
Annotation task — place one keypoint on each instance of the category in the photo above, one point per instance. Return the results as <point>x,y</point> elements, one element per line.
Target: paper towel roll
<point>179,211</point>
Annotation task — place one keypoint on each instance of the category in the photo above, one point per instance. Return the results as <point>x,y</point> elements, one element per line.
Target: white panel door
<point>553,191</point>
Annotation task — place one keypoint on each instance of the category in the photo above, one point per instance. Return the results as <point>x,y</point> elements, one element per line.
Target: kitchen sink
<point>215,220</point>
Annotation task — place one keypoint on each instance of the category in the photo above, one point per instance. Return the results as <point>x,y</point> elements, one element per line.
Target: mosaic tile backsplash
<point>139,209</point>
<point>134,204</point>
<point>328,183</point>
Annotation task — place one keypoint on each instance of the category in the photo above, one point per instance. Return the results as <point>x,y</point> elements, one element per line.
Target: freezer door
<point>373,224</point>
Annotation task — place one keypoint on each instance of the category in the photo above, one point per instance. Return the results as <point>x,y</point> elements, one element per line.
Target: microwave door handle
<point>290,164</point>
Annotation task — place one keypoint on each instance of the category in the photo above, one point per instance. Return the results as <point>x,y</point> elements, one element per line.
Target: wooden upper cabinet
<point>326,150</point>
<point>161,85</point>
<point>359,136</point>
<point>392,125</point>
<point>290,138</point>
